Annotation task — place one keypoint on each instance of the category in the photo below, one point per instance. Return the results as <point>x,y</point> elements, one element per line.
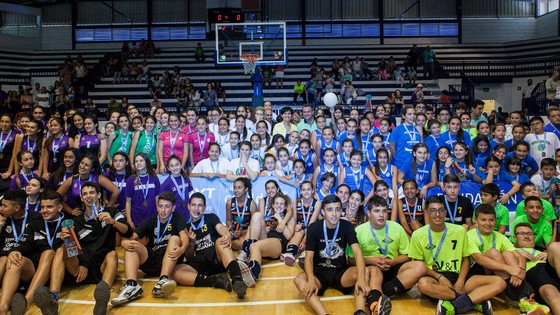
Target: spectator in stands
<point>43,98</point>
<point>382,69</point>
<point>266,72</point>
<point>194,98</point>
<point>81,71</point>
<point>210,96</point>
<point>418,94</point>
<point>310,91</point>
<point>429,60</point>
<point>526,94</point>
<point>134,73</point>
<point>65,75</point>
<point>348,92</point>
<point>156,102</point>
<point>145,71</point>
<point>151,49</point>
<point>113,105</point>
<point>552,88</point>
<point>26,100</point>
<point>299,88</point>
<point>280,76</point>
<point>357,67</point>
<point>221,91</point>
<point>199,53</point>
<point>182,100</point>
<point>336,68</point>
<point>411,75</point>
<point>412,57</point>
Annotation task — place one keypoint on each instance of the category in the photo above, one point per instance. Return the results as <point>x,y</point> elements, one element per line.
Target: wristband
<point>439,277</point>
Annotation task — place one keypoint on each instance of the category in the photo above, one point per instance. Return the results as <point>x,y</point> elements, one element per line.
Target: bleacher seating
<point>26,66</point>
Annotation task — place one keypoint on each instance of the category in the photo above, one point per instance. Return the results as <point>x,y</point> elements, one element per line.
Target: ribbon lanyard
<point>203,143</point>
<point>217,169</point>
<point>124,141</point>
<point>36,205</point>
<point>122,182</point>
<point>158,239</point>
<point>541,143</point>
<point>451,141</point>
<point>55,145</point>
<point>242,214</point>
<point>180,191</point>
<point>434,256</point>
<point>32,149</point>
<point>384,172</point>
<point>381,249</point>
<point>482,241</point>
<point>27,179</point>
<point>309,212</point>
<point>49,238</point>
<point>451,217</point>
<point>413,217</point>
<point>150,140</point>
<point>145,191</point>
<point>4,142</point>
<point>80,181</point>
<point>358,178</point>
<point>532,253</point>
<point>94,212</point>
<point>195,228</point>
<point>14,231</point>
<point>412,134</point>
<point>329,244</point>
<point>173,140</point>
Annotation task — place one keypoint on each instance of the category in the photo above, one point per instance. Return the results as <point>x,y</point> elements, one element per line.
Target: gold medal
<point>145,203</point>
<point>329,265</point>
<point>544,154</point>
<point>184,204</point>
<point>1,155</point>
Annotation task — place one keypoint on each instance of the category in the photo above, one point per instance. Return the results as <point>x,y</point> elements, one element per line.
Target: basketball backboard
<point>268,39</point>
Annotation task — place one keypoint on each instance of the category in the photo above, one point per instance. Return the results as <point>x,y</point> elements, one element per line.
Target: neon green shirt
<point>502,216</point>
<point>542,230</point>
<point>548,210</point>
<point>397,244</point>
<point>503,244</point>
<point>452,251</point>
<point>534,252</point>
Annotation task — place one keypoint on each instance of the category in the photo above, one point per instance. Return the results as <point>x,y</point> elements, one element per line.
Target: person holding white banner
<point>243,166</point>
<point>212,167</point>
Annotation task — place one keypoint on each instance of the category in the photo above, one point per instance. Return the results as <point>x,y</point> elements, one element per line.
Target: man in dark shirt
<point>459,209</point>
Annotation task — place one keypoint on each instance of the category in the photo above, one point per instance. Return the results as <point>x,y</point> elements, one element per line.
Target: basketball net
<point>249,62</point>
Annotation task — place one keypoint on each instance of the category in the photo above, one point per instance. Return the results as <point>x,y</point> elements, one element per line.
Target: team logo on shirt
<point>428,247</point>
<point>9,229</point>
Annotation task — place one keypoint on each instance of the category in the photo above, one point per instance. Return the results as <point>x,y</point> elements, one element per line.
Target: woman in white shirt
<point>214,166</point>
<point>243,166</point>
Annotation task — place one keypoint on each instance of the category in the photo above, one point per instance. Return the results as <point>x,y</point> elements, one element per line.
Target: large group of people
<point>378,207</point>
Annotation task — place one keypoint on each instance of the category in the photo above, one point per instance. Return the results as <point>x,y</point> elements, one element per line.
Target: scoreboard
<point>225,15</point>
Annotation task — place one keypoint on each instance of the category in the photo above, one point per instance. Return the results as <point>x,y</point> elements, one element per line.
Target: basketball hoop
<point>249,62</point>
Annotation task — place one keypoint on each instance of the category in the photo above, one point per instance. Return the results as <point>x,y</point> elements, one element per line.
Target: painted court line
<point>264,279</point>
<point>222,304</point>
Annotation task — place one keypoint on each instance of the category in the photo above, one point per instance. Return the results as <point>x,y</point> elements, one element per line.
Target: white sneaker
<point>289,259</point>
<point>128,293</point>
<point>246,274</point>
<point>164,287</point>
<point>242,256</point>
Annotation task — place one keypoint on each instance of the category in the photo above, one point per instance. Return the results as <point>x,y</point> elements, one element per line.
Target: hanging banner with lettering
<point>471,190</point>
<point>218,191</point>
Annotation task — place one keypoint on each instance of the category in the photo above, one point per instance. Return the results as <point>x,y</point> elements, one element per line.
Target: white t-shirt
<point>550,142</point>
<point>236,166</point>
<point>228,153</point>
<point>249,124</point>
<point>43,103</point>
<point>206,166</point>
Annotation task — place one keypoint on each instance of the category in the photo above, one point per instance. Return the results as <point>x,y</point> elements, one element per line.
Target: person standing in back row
<point>429,59</point>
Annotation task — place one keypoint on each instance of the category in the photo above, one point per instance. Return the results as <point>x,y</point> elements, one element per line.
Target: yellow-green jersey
<point>480,243</point>
<point>397,240</point>
<point>534,252</point>
<point>443,256</point>
<point>502,216</point>
<point>548,211</point>
<point>542,230</point>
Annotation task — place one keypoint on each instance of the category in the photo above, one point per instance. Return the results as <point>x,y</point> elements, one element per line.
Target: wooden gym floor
<point>274,293</point>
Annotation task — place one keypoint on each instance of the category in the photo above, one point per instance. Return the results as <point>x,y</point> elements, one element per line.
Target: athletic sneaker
<point>102,295</point>
<point>484,307</point>
<point>301,260</point>
<point>128,293</point>
<point>46,301</point>
<point>240,288</point>
<point>164,287</point>
<point>445,308</point>
<point>18,304</point>
<point>246,274</point>
<point>289,259</point>
<point>531,307</point>
<point>221,281</point>
<point>242,256</point>
<point>382,306</point>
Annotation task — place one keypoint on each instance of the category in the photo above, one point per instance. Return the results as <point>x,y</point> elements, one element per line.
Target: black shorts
<point>206,262</point>
<point>476,270</point>
<point>280,237</point>
<point>391,273</point>
<point>332,278</point>
<point>542,274</point>
<point>152,265</point>
<point>94,275</point>
<point>451,276</point>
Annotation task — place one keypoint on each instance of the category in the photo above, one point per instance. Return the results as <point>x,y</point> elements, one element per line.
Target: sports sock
<point>163,277</point>
<point>255,268</point>
<point>462,304</point>
<point>203,281</point>
<point>233,270</point>
<point>131,282</point>
<point>246,246</point>
<point>373,296</point>
<point>292,249</point>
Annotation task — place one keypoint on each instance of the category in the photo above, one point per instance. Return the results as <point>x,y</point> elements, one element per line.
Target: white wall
<point>498,30</point>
